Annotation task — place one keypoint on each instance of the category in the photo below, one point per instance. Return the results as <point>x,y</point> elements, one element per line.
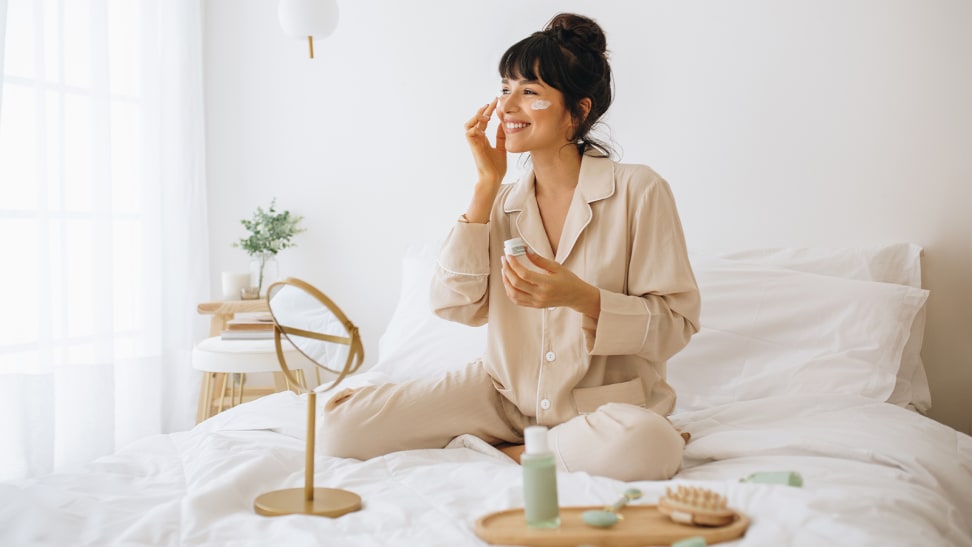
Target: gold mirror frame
<point>325,502</point>
<point>353,340</point>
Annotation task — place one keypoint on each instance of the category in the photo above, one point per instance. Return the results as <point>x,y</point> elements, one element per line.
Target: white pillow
<point>417,343</point>
<point>892,263</point>
<point>768,331</point>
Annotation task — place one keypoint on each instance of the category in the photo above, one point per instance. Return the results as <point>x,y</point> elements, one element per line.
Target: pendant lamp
<point>308,19</point>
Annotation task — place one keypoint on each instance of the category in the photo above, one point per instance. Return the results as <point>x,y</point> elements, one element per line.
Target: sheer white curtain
<point>102,220</point>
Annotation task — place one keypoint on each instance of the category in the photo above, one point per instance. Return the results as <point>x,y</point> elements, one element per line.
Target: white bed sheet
<point>875,474</point>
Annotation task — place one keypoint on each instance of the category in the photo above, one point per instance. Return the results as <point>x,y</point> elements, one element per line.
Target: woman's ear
<point>585,105</point>
<point>585,108</point>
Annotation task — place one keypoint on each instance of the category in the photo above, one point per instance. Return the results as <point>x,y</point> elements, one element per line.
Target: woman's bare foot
<point>514,451</point>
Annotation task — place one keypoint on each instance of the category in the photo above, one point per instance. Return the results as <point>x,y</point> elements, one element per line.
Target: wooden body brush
<point>697,506</point>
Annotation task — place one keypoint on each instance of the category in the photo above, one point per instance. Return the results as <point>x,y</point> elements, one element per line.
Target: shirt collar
<point>595,182</point>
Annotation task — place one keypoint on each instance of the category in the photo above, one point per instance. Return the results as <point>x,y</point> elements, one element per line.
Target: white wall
<point>828,123</point>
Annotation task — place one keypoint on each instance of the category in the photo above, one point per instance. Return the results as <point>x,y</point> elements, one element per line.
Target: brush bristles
<point>690,505</point>
<point>697,497</point>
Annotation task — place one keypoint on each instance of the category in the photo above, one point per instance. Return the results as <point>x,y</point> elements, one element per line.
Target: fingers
<point>490,108</point>
<point>472,126</point>
<point>510,280</point>
<point>481,117</point>
<point>490,160</point>
<point>477,124</point>
<point>544,263</point>
<point>526,287</point>
<point>518,276</point>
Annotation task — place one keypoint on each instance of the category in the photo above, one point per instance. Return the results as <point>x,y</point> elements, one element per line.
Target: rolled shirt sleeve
<point>660,313</point>
<point>461,276</point>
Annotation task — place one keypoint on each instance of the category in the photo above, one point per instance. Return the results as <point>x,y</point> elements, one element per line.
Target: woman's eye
<point>529,92</point>
<point>505,91</point>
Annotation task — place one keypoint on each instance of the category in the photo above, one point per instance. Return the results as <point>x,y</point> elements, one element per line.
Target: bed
<point>808,360</point>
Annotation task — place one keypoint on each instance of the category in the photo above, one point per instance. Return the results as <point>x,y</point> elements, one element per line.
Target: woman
<point>581,345</point>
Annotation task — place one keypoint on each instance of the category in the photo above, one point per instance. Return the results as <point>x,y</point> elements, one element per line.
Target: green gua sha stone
<point>609,515</point>
<point>789,478</point>
<point>600,519</point>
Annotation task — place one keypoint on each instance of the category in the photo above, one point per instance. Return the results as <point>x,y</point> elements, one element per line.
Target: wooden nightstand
<point>222,311</point>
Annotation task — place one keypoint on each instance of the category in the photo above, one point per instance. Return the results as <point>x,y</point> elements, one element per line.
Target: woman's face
<point>533,115</point>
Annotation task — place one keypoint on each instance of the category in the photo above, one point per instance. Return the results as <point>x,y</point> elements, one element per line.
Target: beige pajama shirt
<point>598,384</point>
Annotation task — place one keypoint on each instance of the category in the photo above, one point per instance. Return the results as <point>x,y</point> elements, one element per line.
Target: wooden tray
<point>642,525</point>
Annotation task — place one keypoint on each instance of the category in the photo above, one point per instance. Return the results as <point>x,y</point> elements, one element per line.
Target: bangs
<point>526,59</point>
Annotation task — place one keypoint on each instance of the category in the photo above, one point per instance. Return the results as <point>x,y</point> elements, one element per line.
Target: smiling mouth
<point>516,125</point>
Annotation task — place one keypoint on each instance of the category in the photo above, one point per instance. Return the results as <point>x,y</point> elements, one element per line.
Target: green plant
<point>270,233</point>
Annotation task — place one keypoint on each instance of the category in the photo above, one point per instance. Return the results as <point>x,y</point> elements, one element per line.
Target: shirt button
<point>545,404</point>
<point>550,356</point>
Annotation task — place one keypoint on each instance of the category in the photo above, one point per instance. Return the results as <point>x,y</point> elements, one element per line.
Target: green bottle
<point>539,480</point>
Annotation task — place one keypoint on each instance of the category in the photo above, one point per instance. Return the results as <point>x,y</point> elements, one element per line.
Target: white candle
<point>233,283</point>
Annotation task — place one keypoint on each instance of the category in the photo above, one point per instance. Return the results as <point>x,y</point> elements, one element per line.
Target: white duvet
<point>874,474</point>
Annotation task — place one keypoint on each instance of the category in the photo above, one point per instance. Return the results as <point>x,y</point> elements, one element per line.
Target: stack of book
<point>249,326</point>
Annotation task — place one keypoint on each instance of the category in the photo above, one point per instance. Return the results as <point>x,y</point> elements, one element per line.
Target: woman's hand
<point>490,161</point>
<point>556,286</point>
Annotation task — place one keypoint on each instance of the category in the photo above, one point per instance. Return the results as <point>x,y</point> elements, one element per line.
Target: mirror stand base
<point>322,502</point>
<point>326,502</point>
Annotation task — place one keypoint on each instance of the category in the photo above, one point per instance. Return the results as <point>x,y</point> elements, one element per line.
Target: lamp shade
<point>308,18</point>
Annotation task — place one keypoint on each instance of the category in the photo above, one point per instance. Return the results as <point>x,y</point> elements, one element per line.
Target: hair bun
<point>571,28</point>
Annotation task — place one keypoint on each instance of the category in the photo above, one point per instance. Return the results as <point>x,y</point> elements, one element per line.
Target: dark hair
<point>570,55</point>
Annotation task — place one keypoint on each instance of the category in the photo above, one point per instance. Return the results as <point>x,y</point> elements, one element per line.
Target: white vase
<point>264,271</point>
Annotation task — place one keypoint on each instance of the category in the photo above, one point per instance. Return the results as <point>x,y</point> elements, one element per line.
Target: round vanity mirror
<point>314,324</point>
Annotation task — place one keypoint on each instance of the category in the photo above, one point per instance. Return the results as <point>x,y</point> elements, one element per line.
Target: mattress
<point>874,474</point>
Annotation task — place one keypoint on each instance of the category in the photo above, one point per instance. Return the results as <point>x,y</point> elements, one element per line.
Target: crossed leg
<point>621,441</point>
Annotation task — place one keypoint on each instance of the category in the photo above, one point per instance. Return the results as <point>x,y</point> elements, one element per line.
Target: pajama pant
<point>621,441</point>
